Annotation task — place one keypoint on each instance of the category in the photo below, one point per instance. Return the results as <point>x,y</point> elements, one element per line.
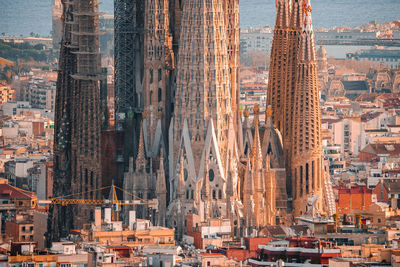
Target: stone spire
<point>205,192</point>
<point>231,12</point>
<point>322,59</point>
<point>256,152</point>
<point>276,83</point>
<point>307,44</point>
<point>181,197</point>
<point>181,179</point>
<point>292,44</point>
<point>141,157</point>
<point>161,190</point>
<point>268,117</point>
<point>297,14</point>
<point>307,159</point>
<point>229,194</point>
<point>283,13</point>
<point>257,174</point>
<point>248,200</point>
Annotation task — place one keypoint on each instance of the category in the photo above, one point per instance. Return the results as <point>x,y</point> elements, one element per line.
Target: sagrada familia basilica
<point>207,156</point>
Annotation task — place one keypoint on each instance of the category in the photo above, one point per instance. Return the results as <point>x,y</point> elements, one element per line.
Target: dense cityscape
<point>166,135</point>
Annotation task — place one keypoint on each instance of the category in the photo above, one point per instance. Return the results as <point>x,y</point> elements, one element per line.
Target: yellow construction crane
<point>114,202</point>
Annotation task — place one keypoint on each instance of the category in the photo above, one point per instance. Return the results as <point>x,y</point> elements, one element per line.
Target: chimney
<point>132,219</point>
<point>107,215</point>
<point>97,218</point>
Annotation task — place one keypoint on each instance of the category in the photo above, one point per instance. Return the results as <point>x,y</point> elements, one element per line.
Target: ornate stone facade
<point>218,164</point>
<point>203,153</point>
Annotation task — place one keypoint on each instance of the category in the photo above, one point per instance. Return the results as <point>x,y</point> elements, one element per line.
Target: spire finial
<point>307,16</point>
<point>256,109</point>
<point>141,157</point>
<point>268,112</point>
<point>181,181</point>
<point>246,113</point>
<point>161,186</point>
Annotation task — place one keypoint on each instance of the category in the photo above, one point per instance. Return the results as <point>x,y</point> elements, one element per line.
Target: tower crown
<point>307,44</point>
<point>307,25</point>
<point>297,13</point>
<point>283,8</point>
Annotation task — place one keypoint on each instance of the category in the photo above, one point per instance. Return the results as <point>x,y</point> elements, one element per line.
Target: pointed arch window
<point>151,76</point>
<point>211,175</point>
<point>159,94</point>
<point>151,97</point>
<point>159,74</point>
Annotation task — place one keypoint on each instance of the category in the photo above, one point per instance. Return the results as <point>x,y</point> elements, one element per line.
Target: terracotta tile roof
<point>275,230</point>
<point>382,148</point>
<point>330,121</point>
<point>10,192</point>
<point>370,116</point>
<point>366,97</point>
<point>392,187</point>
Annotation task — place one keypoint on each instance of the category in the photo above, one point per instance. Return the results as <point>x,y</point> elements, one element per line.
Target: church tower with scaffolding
<point>77,117</point>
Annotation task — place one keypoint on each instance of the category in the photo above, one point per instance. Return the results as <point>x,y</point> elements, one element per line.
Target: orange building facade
<point>354,199</point>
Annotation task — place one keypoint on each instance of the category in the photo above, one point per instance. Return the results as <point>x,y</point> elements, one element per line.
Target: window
<point>86,176</point>
<point>151,76</point>
<point>220,194</point>
<point>159,74</point>
<point>159,95</point>
<point>301,181</point>
<point>91,178</point>
<point>151,97</point>
<point>211,175</point>
<point>307,179</point>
